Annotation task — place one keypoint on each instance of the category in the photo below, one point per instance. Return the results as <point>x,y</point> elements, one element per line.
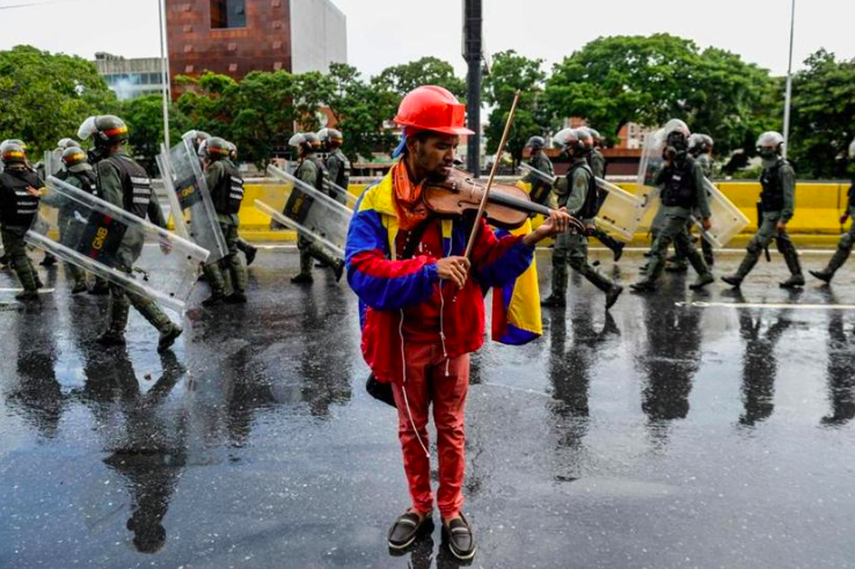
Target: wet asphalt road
<point>673,434</point>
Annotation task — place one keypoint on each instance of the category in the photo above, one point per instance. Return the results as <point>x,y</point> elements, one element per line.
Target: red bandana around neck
<point>408,198</point>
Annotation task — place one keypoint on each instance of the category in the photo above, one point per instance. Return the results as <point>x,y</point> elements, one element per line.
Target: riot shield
<point>190,199</point>
<point>727,219</point>
<point>651,162</point>
<point>314,215</point>
<point>124,249</point>
<point>542,176</point>
<point>620,212</point>
<point>53,162</point>
<point>340,194</point>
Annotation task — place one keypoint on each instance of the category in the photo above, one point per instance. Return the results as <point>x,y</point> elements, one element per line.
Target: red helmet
<point>433,108</point>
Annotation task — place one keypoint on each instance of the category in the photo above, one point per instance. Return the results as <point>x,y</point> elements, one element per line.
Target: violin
<point>508,207</point>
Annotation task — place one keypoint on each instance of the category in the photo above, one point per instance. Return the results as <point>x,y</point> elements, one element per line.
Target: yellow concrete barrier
<point>819,206</point>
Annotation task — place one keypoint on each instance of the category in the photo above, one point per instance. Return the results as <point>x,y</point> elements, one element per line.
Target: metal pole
<point>164,59</point>
<point>473,54</point>
<point>789,97</point>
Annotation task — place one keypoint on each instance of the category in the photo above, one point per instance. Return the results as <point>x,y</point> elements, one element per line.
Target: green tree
<point>144,116</point>
<point>258,114</point>
<point>509,73</point>
<point>45,97</point>
<point>361,111</point>
<point>401,79</point>
<point>823,116</point>
<point>615,80</point>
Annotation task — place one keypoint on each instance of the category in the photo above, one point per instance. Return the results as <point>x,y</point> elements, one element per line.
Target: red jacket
<point>386,286</point>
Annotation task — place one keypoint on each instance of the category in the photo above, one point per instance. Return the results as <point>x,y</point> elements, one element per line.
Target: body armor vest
<point>228,194</point>
<point>592,202</point>
<point>679,186</point>
<point>136,185</point>
<point>343,178</point>
<point>772,196</point>
<point>19,206</point>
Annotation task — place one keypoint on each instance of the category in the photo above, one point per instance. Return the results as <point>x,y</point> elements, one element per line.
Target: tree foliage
<point>45,97</point>
<point>144,117</point>
<point>648,80</point>
<point>401,79</point>
<point>510,73</point>
<point>823,119</point>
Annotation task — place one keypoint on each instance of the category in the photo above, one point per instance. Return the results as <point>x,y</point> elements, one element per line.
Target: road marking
<point>771,305</point>
<point>517,389</point>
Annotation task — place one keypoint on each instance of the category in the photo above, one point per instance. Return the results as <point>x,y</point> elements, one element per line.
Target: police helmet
<point>770,143</point>
<point>575,141</point>
<point>67,143</point>
<point>217,148</point>
<point>330,135</point>
<point>536,142</point>
<point>73,156</point>
<point>852,150</point>
<point>13,153</point>
<point>104,131</point>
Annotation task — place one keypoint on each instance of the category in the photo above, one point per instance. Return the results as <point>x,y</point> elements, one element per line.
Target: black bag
<point>380,391</point>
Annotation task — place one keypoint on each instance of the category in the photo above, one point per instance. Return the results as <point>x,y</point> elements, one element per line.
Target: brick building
<point>236,37</point>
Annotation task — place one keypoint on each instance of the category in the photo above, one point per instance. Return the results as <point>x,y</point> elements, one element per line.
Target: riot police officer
<point>226,187</point>
<point>19,205</point>
<point>198,138</point>
<point>76,172</point>
<point>311,172</point>
<point>540,188</point>
<point>597,162</point>
<point>248,250</point>
<point>581,201</point>
<point>778,204</point>
<point>681,182</point>
<point>847,240</point>
<point>336,164</point>
<point>124,183</point>
<point>701,147</point>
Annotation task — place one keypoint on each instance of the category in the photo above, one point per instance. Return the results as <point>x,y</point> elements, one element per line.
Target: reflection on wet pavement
<point>681,430</point>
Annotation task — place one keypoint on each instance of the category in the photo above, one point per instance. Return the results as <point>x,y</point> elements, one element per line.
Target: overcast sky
<point>387,32</point>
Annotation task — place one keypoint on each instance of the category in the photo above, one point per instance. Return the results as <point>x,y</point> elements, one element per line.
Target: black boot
<point>791,256</point>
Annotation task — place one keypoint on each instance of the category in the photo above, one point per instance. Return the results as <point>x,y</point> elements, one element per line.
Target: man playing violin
<point>422,305</point>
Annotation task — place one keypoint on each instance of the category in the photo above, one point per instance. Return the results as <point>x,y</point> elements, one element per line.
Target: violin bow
<point>492,177</point>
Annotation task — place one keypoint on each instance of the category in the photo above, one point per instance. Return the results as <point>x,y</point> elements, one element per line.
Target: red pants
<point>432,378</point>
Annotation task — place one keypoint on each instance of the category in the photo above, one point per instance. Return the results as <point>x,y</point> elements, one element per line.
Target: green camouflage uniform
<point>309,172</point>
<point>228,271</point>
<point>572,249</point>
<point>110,189</point>
<point>70,228</point>
<point>847,240</point>
<point>540,189</point>
<point>674,226</point>
<point>769,226</point>
<point>597,162</point>
<point>338,168</point>
<point>706,164</point>
<point>15,249</point>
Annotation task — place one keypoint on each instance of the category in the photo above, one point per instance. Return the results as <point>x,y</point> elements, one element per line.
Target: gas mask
<point>97,153</point>
<point>676,147</point>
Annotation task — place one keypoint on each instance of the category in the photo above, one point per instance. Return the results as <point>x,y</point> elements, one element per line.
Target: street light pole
<point>164,59</point>
<point>789,97</point>
<point>473,53</point>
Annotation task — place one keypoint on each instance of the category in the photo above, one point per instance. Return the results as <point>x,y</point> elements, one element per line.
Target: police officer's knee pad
<point>845,242</point>
<point>754,247</point>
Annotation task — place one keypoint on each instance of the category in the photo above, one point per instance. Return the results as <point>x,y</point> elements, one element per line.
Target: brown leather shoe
<point>407,528</point>
<point>458,535</point>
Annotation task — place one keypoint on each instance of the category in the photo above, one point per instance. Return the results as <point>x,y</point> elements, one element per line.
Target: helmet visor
<point>87,129</point>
